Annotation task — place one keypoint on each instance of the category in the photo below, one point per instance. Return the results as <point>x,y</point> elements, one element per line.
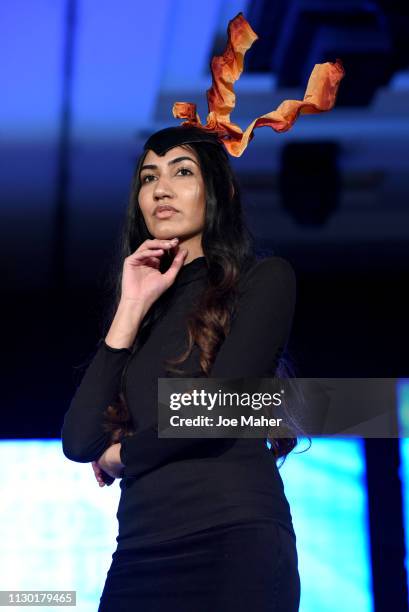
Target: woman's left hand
<point>110,463</point>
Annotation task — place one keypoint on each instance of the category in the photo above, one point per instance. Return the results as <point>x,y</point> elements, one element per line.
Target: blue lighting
<point>59,528</point>
<point>326,489</point>
<point>403,415</point>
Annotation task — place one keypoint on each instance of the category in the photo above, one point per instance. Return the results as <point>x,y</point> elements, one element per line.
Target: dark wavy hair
<point>228,247</point>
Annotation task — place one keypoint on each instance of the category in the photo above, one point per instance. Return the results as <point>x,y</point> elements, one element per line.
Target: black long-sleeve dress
<point>204,524</point>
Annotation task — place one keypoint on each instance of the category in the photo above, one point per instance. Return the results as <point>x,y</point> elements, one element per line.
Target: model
<point>204,524</point>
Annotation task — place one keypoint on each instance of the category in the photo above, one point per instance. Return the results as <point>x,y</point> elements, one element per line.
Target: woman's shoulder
<point>268,272</point>
<point>267,290</point>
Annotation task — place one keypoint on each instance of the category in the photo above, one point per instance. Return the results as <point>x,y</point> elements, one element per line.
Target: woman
<point>204,524</point>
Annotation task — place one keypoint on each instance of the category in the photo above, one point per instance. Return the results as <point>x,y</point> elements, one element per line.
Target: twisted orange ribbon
<point>226,69</point>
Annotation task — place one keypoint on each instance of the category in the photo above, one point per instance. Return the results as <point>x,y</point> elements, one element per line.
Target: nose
<point>162,189</point>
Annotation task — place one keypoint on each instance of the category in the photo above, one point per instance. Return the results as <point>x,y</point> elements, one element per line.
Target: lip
<point>165,212</point>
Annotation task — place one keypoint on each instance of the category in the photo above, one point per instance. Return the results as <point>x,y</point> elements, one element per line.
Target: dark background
<point>330,195</point>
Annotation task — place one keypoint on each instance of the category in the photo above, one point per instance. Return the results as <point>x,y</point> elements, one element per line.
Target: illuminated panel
<point>58,526</point>
<point>403,415</point>
<point>326,489</point>
<point>119,61</point>
<point>31,43</point>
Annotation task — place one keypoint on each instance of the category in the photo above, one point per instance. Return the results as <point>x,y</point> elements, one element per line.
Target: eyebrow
<point>170,163</point>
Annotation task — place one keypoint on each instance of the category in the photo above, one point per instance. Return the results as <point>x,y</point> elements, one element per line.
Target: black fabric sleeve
<point>257,337</point>
<point>260,329</point>
<point>83,438</point>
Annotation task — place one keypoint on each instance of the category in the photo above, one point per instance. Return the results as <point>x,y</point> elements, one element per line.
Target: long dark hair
<point>229,249</point>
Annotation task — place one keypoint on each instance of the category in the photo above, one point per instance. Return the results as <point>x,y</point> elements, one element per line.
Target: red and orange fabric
<point>226,69</point>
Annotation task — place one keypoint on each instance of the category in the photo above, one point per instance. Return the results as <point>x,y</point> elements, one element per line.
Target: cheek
<point>195,195</point>
<point>144,208</point>
<point>143,202</point>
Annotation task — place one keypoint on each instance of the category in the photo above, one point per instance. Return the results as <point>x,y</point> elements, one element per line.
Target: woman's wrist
<point>125,324</point>
<point>110,461</point>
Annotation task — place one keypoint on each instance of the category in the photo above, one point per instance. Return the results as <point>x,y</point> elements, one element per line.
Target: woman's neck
<point>194,249</point>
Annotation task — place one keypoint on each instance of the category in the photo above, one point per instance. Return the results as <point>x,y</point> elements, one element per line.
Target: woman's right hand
<point>142,281</point>
<point>142,284</point>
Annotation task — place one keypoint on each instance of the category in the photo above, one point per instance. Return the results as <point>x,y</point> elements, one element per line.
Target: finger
<point>98,476</point>
<point>147,258</point>
<point>103,478</point>
<point>97,472</point>
<point>99,480</point>
<point>154,260</point>
<point>158,243</point>
<point>175,266</point>
<point>148,261</point>
<point>146,253</point>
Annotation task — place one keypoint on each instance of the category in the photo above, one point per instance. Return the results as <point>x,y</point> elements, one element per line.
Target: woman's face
<point>173,180</point>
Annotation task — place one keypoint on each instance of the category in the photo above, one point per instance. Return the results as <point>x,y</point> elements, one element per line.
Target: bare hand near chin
<point>142,281</point>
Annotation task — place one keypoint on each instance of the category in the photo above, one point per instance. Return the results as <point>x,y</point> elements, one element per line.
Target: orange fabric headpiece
<point>320,94</point>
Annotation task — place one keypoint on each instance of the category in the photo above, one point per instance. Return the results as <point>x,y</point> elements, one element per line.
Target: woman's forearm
<point>125,324</point>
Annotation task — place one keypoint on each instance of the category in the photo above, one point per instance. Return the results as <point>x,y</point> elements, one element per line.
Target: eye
<point>186,169</point>
<point>143,179</point>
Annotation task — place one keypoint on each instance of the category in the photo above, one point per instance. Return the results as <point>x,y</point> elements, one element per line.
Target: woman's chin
<point>169,235</point>
<point>167,231</point>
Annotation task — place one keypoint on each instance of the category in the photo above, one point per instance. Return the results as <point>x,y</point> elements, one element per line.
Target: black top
<point>178,486</point>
